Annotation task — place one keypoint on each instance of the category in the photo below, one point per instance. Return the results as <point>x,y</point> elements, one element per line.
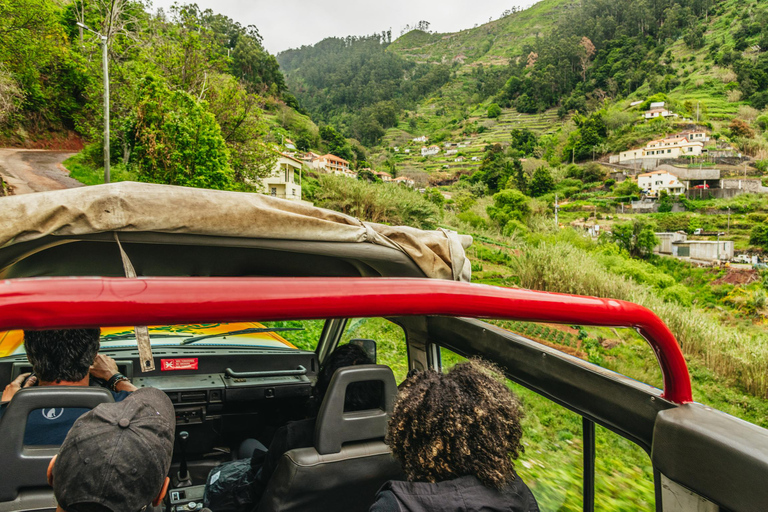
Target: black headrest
<point>22,466</point>
<point>335,427</point>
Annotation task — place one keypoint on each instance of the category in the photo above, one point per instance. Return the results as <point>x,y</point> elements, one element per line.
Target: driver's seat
<point>24,467</point>
<point>349,461</point>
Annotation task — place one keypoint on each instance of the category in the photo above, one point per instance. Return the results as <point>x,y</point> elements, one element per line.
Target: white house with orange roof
<point>331,164</point>
<point>654,182</point>
<point>383,176</point>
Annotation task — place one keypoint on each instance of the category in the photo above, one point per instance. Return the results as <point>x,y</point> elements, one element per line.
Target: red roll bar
<point>68,302</point>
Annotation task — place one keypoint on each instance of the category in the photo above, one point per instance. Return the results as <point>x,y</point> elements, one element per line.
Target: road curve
<point>35,170</point>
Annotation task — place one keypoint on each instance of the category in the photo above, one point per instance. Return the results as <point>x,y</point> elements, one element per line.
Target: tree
<point>494,110</point>
<point>494,170</point>
<point>637,237</point>
<point>525,141</point>
<point>587,51</point>
<point>434,196</point>
<point>177,141</point>
<point>541,183</point>
<point>509,206</point>
<point>759,236</point>
<point>627,188</point>
<point>740,128</point>
<point>519,179</point>
<point>237,113</point>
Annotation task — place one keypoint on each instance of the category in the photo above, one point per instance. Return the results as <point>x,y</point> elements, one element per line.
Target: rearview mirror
<point>369,346</point>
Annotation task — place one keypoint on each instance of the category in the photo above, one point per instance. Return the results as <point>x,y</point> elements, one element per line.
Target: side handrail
<point>229,372</point>
<point>48,303</point>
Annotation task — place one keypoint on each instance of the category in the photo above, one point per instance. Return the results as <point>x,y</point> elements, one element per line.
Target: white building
<point>704,250</point>
<point>285,180</point>
<point>331,164</point>
<point>383,176</point>
<point>429,151</point>
<point>423,138</point>
<point>404,181</point>
<point>658,112</point>
<point>673,147</point>
<point>451,152</point>
<point>652,183</point>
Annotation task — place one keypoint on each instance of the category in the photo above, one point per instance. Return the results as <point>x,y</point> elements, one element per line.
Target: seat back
<point>25,466</point>
<point>349,461</point>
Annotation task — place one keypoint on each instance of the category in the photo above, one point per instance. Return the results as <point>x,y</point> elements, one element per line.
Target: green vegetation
<point>376,202</point>
<point>356,85</point>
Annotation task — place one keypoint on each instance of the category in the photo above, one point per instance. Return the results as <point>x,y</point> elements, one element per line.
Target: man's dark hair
<point>465,422</point>
<point>360,395</point>
<point>62,355</point>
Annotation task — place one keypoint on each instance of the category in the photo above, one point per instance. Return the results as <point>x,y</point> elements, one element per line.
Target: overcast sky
<point>291,23</point>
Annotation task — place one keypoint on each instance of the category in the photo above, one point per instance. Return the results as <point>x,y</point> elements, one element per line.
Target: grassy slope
<point>491,43</point>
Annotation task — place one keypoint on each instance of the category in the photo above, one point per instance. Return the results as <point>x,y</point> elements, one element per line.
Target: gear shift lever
<point>182,477</point>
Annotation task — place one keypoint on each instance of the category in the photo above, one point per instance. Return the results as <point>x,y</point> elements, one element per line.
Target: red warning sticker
<point>189,363</point>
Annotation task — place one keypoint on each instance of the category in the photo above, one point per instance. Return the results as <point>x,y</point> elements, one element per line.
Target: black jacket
<point>464,494</point>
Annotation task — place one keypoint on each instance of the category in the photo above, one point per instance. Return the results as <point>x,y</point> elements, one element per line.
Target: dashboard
<point>221,395</point>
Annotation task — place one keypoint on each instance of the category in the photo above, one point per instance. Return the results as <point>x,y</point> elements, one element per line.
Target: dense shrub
<point>177,141</point>
<point>376,202</point>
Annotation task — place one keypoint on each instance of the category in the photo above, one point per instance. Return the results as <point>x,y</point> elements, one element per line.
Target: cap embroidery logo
<point>52,414</point>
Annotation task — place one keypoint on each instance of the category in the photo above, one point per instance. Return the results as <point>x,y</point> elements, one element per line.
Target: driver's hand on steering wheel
<point>103,367</point>
<point>17,384</point>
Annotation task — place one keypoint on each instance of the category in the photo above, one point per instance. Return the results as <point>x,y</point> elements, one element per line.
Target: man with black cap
<point>116,456</point>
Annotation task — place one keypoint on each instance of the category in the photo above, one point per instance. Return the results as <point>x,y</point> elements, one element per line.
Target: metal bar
<point>47,303</point>
<point>588,443</point>
<point>229,372</point>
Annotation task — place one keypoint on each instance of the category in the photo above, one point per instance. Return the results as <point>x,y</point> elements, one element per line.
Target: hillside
<point>706,58</point>
<point>493,43</point>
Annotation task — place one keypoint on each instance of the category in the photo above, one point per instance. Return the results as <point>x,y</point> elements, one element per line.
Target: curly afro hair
<point>464,422</point>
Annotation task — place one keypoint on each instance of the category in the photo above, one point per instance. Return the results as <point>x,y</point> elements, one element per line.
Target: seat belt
<point>141,331</point>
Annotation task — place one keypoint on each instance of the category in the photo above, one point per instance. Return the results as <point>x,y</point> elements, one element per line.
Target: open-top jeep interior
<point>259,341</point>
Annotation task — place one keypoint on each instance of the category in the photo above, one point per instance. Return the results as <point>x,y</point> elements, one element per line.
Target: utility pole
<point>729,220</point>
<point>106,107</point>
<point>105,65</point>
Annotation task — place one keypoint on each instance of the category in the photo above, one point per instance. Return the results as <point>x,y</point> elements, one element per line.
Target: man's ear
<point>49,473</point>
<point>164,490</point>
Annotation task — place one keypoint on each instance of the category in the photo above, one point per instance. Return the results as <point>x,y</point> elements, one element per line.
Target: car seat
<point>24,467</point>
<point>349,461</point>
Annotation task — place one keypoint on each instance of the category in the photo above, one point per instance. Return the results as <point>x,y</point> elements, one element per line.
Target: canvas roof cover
<point>144,207</point>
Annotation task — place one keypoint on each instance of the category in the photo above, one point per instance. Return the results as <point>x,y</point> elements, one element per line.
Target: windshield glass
<point>289,335</point>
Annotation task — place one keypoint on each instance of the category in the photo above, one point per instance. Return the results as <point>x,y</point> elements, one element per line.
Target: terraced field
<point>470,148</point>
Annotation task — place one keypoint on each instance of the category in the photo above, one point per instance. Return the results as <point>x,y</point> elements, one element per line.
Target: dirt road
<point>35,170</point>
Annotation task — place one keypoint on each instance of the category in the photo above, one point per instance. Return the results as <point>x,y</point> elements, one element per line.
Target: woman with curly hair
<point>456,436</point>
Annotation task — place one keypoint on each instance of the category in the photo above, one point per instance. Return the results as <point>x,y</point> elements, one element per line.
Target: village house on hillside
<point>383,176</point>
<point>332,164</point>
<point>402,180</point>
<point>658,109</point>
<point>423,138</point>
<point>429,151</point>
<point>285,180</point>
<point>661,148</point>
<point>652,183</point>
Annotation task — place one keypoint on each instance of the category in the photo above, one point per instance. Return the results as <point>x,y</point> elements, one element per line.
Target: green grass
<point>83,171</point>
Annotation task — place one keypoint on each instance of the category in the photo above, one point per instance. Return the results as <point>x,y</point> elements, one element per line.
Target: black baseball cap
<point>117,455</point>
